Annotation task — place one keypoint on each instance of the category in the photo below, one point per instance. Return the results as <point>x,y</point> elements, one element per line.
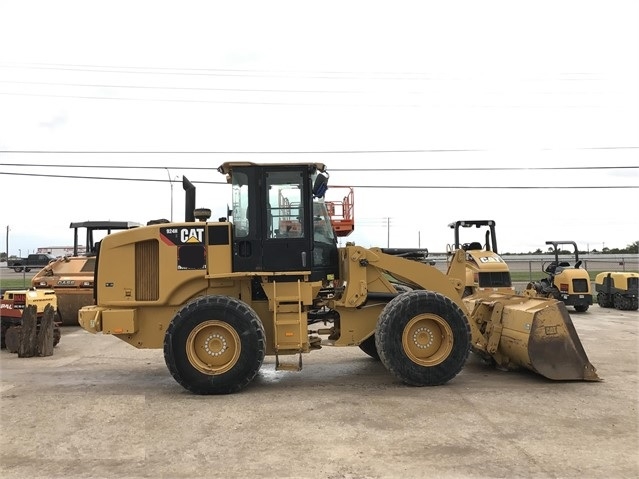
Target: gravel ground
<point>99,408</point>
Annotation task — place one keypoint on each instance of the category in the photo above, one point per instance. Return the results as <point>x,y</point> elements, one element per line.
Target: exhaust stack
<point>189,200</point>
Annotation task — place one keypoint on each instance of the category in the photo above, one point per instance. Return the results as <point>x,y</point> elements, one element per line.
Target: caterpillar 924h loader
<point>219,296</point>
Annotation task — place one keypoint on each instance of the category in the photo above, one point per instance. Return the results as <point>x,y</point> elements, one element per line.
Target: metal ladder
<point>290,328</point>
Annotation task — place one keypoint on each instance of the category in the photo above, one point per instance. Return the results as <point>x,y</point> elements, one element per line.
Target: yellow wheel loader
<point>219,296</point>
<point>486,271</point>
<point>570,284</point>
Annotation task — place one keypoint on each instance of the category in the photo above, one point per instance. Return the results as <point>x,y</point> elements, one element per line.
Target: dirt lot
<point>100,408</point>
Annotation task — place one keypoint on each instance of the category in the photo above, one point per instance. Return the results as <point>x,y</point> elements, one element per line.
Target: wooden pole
<point>28,333</point>
<point>44,345</point>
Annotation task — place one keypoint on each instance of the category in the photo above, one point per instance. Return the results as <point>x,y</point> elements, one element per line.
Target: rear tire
<point>423,338</point>
<point>214,345</point>
<point>581,308</point>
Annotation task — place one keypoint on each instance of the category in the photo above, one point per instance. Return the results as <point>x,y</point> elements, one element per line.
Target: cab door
<point>271,220</point>
<point>287,241</point>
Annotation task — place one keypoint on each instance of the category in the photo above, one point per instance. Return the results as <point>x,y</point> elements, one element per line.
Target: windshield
<point>322,228</point>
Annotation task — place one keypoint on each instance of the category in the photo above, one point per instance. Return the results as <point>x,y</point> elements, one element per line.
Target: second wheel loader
<point>486,271</point>
<point>219,296</point>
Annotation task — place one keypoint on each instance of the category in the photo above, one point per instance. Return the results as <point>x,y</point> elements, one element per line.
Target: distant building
<point>61,250</point>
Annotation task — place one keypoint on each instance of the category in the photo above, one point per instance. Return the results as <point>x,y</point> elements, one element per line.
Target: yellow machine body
<point>618,289</point>
<point>486,271</point>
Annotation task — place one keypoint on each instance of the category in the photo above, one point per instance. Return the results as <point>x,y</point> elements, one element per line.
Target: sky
<point>523,112</point>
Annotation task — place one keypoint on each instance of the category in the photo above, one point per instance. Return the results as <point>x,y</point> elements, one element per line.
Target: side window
<point>285,205</point>
<point>241,220</point>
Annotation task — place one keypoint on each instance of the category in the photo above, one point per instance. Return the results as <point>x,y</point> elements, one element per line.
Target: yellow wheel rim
<point>213,347</point>
<point>427,340</point>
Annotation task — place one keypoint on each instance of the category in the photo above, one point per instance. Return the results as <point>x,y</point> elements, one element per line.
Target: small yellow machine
<point>219,296</point>
<point>14,302</point>
<point>618,289</point>
<point>486,271</point>
<point>570,284</point>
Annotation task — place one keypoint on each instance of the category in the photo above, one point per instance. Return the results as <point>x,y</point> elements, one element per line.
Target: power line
<point>220,102</point>
<point>420,187</point>
<point>372,169</point>
<point>337,75</point>
<point>208,168</point>
<point>289,152</point>
<point>76,177</point>
<point>147,87</point>
<point>382,75</point>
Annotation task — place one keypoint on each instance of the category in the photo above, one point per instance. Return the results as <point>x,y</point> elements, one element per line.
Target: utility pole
<point>171,183</point>
<point>388,232</point>
<point>7,243</point>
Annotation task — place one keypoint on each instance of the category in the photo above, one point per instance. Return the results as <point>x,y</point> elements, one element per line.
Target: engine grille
<point>147,271</point>
<point>495,279</point>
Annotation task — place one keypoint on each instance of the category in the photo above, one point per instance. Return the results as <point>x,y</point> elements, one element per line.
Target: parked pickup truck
<point>36,260</point>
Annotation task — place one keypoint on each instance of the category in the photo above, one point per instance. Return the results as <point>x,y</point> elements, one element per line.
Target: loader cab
<point>489,240</point>
<point>280,220</point>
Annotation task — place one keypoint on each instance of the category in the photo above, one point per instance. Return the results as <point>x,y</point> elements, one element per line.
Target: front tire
<point>423,338</point>
<point>214,345</point>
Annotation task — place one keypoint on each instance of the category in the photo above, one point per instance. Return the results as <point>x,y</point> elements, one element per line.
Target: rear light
<point>19,301</point>
<point>563,287</point>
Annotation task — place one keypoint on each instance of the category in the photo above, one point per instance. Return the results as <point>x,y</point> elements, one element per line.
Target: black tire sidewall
<point>390,327</point>
<point>235,314</point>
<point>369,347</point>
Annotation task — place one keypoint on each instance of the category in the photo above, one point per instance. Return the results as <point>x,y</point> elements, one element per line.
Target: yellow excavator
<point>270,279</point>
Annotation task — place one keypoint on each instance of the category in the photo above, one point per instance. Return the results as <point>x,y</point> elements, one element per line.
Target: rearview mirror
<point>321,185</point>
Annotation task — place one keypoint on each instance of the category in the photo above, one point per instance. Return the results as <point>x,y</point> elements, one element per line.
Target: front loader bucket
<point>555,349</point>
<point>538,334</point>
